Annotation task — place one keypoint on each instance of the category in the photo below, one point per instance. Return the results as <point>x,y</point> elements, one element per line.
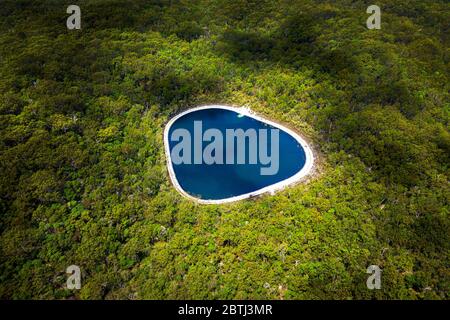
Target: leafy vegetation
<point>82,167</point>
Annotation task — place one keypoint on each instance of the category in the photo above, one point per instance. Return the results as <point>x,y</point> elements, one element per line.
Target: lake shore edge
<point>246,111</point>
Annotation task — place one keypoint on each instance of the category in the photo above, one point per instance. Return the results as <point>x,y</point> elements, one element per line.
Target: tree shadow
<point>164,16</point>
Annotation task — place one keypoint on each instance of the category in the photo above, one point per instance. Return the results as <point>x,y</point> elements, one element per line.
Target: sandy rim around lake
<point>306,170</point>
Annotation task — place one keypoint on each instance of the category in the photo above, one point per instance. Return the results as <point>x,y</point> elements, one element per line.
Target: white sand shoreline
<point>306,169</point>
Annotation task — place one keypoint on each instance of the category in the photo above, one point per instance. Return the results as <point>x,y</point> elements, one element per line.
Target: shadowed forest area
<point>83,178</point>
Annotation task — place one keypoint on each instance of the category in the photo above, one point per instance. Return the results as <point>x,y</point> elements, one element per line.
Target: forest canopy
<point>83,178</point>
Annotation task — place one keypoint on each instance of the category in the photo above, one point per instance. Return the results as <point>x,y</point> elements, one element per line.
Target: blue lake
<point>222,181</point>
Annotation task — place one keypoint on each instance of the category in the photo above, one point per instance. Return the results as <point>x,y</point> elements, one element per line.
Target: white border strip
<point>247,112</point>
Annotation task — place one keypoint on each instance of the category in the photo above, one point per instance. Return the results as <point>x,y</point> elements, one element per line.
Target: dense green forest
<point>83,178</point>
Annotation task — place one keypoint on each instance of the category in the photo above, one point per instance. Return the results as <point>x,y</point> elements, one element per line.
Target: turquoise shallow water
<point>221,181</point>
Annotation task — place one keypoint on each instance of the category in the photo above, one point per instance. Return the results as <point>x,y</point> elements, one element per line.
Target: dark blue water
<point>220,181</point>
